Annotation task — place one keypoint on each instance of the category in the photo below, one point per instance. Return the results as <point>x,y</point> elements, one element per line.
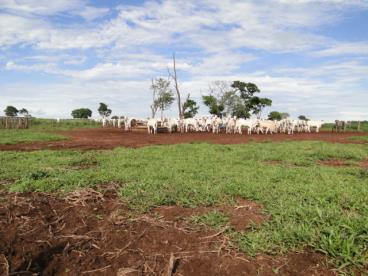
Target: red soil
<point>88,139</point>
<point>91,233</point>
<point>241,216</point>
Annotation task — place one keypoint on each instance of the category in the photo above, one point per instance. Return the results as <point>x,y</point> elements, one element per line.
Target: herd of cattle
<point>214,124</point>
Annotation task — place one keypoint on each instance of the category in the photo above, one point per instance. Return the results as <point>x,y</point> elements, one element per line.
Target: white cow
<point>171,123</point>
<point>128,123</point>
<point>230,123</point>
<point>240,123</point>
<point>152,126</point>
<point>315,124</point>
<point>265,126</point>
<point>216,123</point>
<point>190,123</point>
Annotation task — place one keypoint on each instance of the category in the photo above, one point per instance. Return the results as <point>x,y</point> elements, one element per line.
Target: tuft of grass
<point>212,219</point>
<point>322,207</point>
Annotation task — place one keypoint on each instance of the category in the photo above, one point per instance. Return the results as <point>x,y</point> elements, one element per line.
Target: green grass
<point>14,136</point>
<point>352,127</point>
<point>43,130</point>
<point>63,124</point>
<point>325,208</point>
<point>359,138</point>
<point>213,219</point>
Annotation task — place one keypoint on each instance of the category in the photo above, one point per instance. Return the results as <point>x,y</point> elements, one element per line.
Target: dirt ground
<point>109,138</point>
<point>93,233</point>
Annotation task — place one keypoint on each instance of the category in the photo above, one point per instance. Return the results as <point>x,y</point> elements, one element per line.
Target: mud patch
<point>364,164</point>
<point>109,138</point>
<point>335,163</point>
<point>344,163</point>
<point>95,235</point>
<point>241,216</point>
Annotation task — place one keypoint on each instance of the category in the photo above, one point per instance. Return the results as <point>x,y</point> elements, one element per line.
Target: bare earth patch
<point>109,138</point>
<point>241,216</point>
<point>343,163</point>
<point>92,233</point>
<point>335,163</point>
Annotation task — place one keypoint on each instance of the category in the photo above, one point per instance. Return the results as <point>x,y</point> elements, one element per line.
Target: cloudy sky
<point>309,56</point>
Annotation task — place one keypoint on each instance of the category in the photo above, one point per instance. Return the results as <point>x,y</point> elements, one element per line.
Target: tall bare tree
<point>174,76</point>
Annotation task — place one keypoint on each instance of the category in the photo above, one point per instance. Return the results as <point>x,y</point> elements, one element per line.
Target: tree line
<point>11,111</point>
<point>238,99</point>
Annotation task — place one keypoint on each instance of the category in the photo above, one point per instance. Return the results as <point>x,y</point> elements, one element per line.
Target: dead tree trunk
<point>178,95</point>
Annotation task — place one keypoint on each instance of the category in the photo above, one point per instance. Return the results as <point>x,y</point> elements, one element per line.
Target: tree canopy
<point>236,100</point>
<point>104,111</point>
<point>215,106</point>
<point>190,108</point>
<point>302,117</point>
<point>163,96</point>
<point>24,112</point>
<point>11,111</point>
<point>81,113</point>
<point>275,115</point>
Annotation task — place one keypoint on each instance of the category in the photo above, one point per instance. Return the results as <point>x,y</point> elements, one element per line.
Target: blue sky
<point>309,56</point>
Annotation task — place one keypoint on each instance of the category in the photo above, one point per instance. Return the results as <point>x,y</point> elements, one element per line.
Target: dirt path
<point>88,139</point>
<point>92,233</point>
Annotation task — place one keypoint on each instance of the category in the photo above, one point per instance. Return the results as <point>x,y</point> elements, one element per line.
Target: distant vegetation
<point>12,111</point>
<point>239,99</point>
<point>104,110</point>
<point>353,126</point>
<point>275,115</point>
<point>81,113</point>
<point>44,130</point>
<point>303,117</point>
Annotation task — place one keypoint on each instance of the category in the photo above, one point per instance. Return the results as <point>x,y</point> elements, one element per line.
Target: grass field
<point>310,205</point>
<point>352,127</point>
<point>42,130</point>
<point>359,138</point>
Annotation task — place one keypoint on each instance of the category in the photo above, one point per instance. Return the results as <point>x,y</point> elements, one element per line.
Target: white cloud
<point>113,58</point>
<point>47,7</point>
<point>357,48</point>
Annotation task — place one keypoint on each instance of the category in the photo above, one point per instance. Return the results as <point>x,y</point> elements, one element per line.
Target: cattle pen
<point>14,122</point>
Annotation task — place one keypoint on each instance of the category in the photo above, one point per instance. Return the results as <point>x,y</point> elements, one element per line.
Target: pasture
<point>270,206</point>
<point>42,130</point>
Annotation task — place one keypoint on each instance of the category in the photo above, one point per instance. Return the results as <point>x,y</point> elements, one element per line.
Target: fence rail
<point>14,122</point>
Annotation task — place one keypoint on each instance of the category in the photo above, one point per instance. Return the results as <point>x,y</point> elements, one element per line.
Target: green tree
<point>11,111</point>
<point>24,112</point>
<point>104,110</point>
<point>164,95</point>
<point>190,108</point>
<point>81,113</point>
<point>285,115</point>
<point>275,115</point>
<point>302,117</point>
<point>246,89</point>
<point>236,100</point>
<point>214,105</point>
<point>257,105</point>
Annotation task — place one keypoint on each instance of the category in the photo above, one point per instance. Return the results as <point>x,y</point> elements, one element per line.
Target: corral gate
<point>14,122</point>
